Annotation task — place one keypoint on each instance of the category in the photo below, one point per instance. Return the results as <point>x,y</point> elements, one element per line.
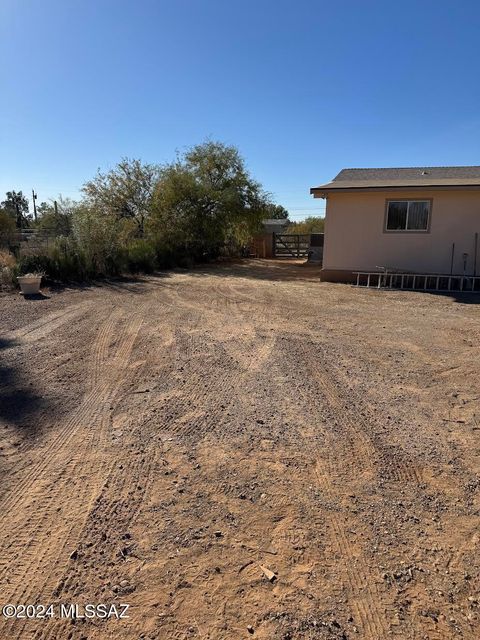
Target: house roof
<point>401,178</point>
<point>275,221</point>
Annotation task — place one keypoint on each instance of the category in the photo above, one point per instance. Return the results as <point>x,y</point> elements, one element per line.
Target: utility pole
<point>34,197</point>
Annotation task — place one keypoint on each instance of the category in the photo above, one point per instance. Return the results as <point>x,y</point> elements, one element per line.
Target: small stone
<point>270,575</point>
<point>250,629</point>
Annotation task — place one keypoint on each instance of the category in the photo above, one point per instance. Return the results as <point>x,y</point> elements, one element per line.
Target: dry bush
<point>7,259</point>
<point>7,269</point>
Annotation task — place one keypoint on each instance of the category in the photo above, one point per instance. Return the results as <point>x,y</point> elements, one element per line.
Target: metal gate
<point>291,245</point>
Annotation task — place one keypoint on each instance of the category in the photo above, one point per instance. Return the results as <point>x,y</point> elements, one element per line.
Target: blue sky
<point>302,88</point>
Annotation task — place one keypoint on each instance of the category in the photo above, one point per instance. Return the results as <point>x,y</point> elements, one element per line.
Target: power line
<point>302,217</point>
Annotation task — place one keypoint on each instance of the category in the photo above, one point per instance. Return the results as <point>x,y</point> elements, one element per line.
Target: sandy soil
<point>167,443</point>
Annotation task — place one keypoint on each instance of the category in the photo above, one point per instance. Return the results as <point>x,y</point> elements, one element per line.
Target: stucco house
<point>415,220</point>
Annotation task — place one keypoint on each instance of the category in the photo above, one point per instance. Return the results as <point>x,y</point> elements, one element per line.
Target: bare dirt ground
<point>163,440</point>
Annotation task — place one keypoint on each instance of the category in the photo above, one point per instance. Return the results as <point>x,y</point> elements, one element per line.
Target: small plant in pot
<point>30,283</point>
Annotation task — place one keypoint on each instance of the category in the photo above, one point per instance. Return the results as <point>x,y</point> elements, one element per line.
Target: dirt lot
<point>163,440</point>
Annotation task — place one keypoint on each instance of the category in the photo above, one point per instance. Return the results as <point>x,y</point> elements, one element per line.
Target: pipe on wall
<point>475,255</point>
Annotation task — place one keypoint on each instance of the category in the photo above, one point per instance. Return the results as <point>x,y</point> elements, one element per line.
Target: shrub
<point>7,259</point>
<point>68,261</point>
<point>141,256</point>
<point>7,269</point>
<point>35,264</point>
<point>7,229</point>
<point>101,240</point>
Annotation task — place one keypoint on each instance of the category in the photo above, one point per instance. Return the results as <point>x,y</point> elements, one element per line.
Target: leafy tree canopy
<point>207,199</point>
<point>125,191</point>
<point>275,212</point>
<point>312,224</point>
<point>16,206</point>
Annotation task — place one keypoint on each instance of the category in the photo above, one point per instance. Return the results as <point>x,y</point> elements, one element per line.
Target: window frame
<point>385,222</point>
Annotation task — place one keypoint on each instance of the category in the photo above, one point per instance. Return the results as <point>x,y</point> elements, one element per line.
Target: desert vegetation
<point>138,217</point>
<point>311,224</point>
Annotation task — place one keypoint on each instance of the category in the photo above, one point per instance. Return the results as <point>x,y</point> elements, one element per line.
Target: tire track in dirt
<point>47,324</point>
<point>387,462</point>
<point>87,411</point>
<point>114,510</point>
<point>49,489</point>
<point>36,470</point>
<point>471,544</point>
<point>102,343</point>
<point>392,462</point>
<point>361,447</point>
<point>190,364</point>
<point>34,545</point>
<point>361,451</point>
<point>254,355</point>
<point>208,395</point>
<point>195,414</point>
<point>354,453</point>
<point>366,597</point>
<point>31,333</point>
<point>224,481</point>
<point>357,417</point>
<point>246,307</point>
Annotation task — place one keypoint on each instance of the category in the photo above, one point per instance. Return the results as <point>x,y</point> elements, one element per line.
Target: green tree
<point>275,212</point>
<point>207,200</point>
<point>44,208</point>
<point>16,206</point>
<point>125,191</point>
<point>312,224</point>
<point>7,228</point>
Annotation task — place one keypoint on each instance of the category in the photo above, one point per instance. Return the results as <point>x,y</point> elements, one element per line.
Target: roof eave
<point>322,191</point>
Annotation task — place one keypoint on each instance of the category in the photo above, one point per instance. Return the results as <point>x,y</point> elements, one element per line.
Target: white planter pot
<point>29,285</point>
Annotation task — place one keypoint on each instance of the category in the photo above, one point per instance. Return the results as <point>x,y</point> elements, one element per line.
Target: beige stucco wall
<point>355,239</point>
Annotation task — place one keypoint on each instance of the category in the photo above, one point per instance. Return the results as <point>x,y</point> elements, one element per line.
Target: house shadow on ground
<point>457,296</point>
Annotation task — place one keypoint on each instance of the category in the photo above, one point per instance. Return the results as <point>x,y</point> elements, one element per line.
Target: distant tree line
<point>312,224</point>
